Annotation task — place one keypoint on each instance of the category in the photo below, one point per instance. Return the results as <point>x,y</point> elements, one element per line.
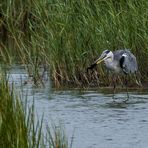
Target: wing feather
<point>130,62</point>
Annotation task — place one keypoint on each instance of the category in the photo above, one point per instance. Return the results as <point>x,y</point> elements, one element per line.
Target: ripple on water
<point>96,119</point>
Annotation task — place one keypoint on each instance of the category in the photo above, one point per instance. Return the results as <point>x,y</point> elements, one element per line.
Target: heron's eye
<point>107,51</point>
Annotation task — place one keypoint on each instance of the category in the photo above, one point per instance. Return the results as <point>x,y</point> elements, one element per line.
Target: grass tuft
<point>19,126</point>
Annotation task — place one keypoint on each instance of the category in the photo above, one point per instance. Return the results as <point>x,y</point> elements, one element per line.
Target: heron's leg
<point>114,87</point>
<point>126,83</point>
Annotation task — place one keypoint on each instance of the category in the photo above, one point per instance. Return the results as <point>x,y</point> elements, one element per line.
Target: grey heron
<point>119,62</point>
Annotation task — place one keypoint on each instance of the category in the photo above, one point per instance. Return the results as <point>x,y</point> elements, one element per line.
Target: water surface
<point>89,116</point>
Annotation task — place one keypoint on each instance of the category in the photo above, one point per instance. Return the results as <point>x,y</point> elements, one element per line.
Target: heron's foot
<point>114,99</point>
<point>126,100</point>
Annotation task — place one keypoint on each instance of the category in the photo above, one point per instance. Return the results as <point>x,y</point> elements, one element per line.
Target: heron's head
<point>106,54</point>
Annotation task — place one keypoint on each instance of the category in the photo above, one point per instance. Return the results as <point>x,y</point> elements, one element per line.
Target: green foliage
<point>13,129</point>
<point>18,126</point>
<point>69,35</point>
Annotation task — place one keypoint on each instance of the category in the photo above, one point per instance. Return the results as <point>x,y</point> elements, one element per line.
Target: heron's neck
<point>109,60</point>
<point>110,63</point>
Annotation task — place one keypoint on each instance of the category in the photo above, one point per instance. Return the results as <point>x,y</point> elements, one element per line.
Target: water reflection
<point>92,116</point>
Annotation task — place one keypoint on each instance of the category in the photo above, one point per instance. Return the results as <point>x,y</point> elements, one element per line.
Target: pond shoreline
<point>119,88</point>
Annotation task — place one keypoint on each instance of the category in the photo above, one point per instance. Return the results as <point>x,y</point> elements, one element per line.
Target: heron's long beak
<point>99,60</point>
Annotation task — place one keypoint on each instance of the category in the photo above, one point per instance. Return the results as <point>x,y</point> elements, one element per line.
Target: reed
<point>19,126</point>
<point>69,35</point>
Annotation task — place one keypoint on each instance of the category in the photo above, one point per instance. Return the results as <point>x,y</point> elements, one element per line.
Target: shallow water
<point>90,117</point>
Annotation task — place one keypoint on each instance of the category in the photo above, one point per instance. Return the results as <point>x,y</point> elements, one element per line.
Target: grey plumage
<point>129,64</point>
<point>119,61</point>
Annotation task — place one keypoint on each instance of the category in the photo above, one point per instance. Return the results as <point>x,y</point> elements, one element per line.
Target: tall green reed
<point>69,35</point>
<point>19,126</point>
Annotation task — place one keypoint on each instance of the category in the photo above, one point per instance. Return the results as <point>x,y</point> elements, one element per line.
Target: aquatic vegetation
<point>67,36</point>
<point>19,126</point>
